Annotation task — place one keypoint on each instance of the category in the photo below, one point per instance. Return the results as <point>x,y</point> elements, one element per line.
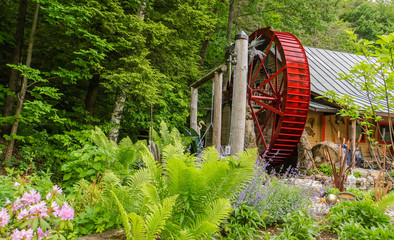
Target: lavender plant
<point>274,195</point>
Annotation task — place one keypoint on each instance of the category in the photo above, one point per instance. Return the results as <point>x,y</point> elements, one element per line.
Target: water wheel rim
<point>287,103</point>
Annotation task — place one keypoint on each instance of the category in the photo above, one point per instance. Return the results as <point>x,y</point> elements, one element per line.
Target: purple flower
<point>55,208</point>
<point>4,217</point>
<point>48,196</point>
<point>7,201</point>
<point>16,184</point>
<point>17,204</point>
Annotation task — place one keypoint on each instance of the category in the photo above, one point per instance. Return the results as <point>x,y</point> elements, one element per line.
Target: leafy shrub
<point>326,169</point>
<point>365,213</point>
<point>357,174</point>
<point>352,230</point>
<point>333,190</point>
<point>100,155</point>
<point>299,225</point>
<point>244,223</point>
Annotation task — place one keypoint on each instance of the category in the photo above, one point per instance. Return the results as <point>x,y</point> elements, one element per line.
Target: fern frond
<point>151,194</point>
<point>173,151</point>
<point>110,178</point>
<point>210,154</point>
<point>125,219</point>
<point>185,234</point>
<point>137,227</point>
<point>209,222</point>
<point>126,142</point>
<point>156,220</point>
<point>153,167</point>
<point>99,138</point>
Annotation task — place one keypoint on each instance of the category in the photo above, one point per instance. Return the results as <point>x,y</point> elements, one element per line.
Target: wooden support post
<point>217,110</point>
<point>239,94</point>
<point>193,109</point>
<point>353,140</point>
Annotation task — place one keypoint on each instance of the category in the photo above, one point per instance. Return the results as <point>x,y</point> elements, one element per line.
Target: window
<point>359,131</point>
<point>384,133</point>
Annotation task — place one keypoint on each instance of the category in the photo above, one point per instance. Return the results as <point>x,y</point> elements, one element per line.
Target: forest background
<point>67,66</point>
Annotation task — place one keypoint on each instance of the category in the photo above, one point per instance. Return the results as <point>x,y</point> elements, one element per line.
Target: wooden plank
<point>217,110</point>
<point>209,76</point>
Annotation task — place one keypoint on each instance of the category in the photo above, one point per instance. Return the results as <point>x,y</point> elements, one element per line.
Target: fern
<point>156,220</point>
<point>209,222</point>
<point>125,219</point>
<point>137,226</point>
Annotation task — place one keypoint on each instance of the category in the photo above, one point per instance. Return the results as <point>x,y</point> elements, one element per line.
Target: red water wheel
<point>278,92</point>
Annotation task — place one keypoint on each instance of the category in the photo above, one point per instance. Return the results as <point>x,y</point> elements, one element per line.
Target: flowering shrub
<point>31,217</point>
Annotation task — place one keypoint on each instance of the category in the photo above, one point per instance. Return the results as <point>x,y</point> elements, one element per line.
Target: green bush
<point>355,231</point>
<point>326,169</point>
<point>360,195</point>
<point>244,223</point>
<point>364,213</point>
<point>299,225</point>
<point>357,174</point>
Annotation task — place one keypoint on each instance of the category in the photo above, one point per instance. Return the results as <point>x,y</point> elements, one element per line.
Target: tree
<point>370,18</point>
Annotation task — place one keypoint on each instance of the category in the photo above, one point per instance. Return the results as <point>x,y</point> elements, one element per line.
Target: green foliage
<point>357,174</point>
<point>387,201</point>
<point>333,190</point>
<point>326,169</point>
<point>99,155</point>
<point>299,225</point>
<point>183,197</point>
<point>244,223</point>
<point>364,213</point>
<point>353,230</point>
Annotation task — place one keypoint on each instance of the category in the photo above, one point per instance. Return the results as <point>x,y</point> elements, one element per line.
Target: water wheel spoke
<point>262,64</point>
<point>258,126</point>
<point>272,109</point>
<point>268,80</point>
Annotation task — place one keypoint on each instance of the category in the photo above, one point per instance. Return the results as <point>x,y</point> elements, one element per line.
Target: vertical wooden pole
<point>217,110</point>
<point>239,94</point>
<point>353,140</point>
<point>193,109</point>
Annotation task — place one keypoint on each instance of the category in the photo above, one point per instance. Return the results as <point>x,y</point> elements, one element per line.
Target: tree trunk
<point>116,117</point>
<point>14,79</point>
<point>22,92</point>
<point>91,95</point>
<point>230,20</point>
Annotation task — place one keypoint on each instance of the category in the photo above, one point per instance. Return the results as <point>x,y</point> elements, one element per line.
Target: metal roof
<point>324,66</point>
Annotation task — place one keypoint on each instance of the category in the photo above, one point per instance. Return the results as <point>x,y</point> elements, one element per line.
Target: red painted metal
<point>278,93</point>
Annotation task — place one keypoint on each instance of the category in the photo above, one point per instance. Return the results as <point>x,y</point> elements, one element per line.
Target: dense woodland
<point>68,66</point>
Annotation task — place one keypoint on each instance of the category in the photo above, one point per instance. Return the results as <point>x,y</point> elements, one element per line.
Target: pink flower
<point>55,209</point>
<point>66,213</point>
<point>31,198</point>
<point>7,201</point>
<point>23,213</point>
<point>57,189</point>
<point>4,217</point>
<point>48,196</point>
<point>24,234</point>
<point>17,204</point>
<point>39,209</point>
<point>41,234</point>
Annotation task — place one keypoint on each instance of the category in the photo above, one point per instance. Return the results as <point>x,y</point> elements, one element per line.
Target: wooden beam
<point>217,110</point>
<point>239,94</point>
<point>193,109</point>
<point>209,76</point>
